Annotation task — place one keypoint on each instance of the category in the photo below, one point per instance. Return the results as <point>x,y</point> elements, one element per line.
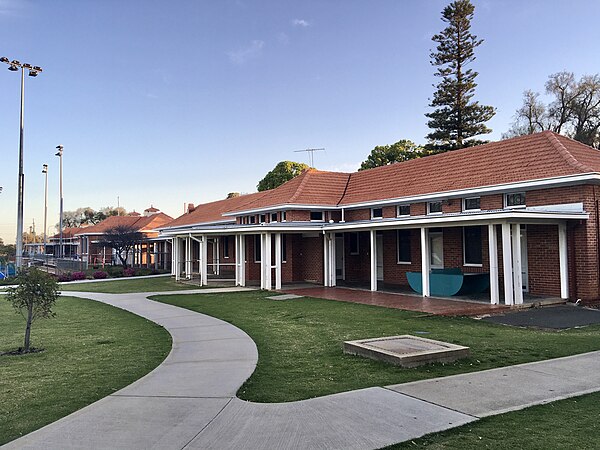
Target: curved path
<point>189,400</point>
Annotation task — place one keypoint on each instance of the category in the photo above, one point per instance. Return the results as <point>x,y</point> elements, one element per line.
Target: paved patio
<point>429,305</point>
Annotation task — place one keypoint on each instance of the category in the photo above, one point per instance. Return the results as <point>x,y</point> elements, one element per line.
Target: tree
<point>382,155</point>
<point>574,109</point>
<point>456,117</point>
<point>33,298</point>
<point>121,239</point>
<point>284,171</point>
<point>233,195</point>
<point>88,216</point>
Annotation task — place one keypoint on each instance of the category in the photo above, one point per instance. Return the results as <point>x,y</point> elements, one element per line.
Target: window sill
<point>472,265</point>
<point>405,263</point>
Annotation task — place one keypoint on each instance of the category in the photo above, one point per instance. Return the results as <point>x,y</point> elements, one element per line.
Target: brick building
<point>522,211</point>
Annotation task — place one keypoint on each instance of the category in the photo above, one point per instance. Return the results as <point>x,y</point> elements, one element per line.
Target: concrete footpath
<point>189,400</point>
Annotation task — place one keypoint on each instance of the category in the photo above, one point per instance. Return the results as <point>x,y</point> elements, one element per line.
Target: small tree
<point>33,298</point>
<point>284,171</point>
<point>121,239</point>
<point>382,155</point>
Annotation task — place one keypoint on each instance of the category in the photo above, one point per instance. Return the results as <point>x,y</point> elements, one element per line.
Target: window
<point>283,248</point>
<point>403,210</point>
<point>283,216</point>
<point>273,217</point>
<point>471,204</point>
<point>434,208</point>
<point>263,218</point>
<point>376,213</point>
<point>225,246</point>
<point>316,216</point>
<point>472,246</point>
<point>252,219</point>
<point>257,248</point>
<point>353,243</point>
<point>514,200</point>
<point>403,247</point>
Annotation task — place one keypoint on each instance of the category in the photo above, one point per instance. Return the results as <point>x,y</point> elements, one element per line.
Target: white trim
<point>429,213</point>
<point>398,210</point>
<point>464,204</point>
<point>378,217</point>
<point>398,248</point>
<point>563,250</point>
<point>322,219</point>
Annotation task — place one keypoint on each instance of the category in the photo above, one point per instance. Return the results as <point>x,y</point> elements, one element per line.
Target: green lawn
<point>567,424</point>
<point>300,342</point>
<point>91,350</point>
<point>127,286</point>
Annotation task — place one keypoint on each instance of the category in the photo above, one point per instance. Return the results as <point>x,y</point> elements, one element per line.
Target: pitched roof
<point>213,211</point>
<point>525,158</point>
<point>68,232</point>
<point>139,223</point>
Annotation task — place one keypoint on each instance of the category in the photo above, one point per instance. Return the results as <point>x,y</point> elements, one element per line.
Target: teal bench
<point>449,282</point>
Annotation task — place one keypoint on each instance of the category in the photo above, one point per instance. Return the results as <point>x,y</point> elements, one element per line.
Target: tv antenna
<point>311,152</point>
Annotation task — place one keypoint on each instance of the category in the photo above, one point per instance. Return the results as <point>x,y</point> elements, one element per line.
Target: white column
<point>517,264</point>
<point>237,260</point>
<point>277,260</point>
<point>263,272</point>
<point>493,255</point>
<point>175,252</point>
<point>563,260</point>
<point>242,260</point>
<point>507,268</point>
<point>373,254</point>
<point>425,262</point>
<point>203,250</point>
<point>325,261</point>
<point>217,258</point>
<point>333,260</point>
<point>268,263</point>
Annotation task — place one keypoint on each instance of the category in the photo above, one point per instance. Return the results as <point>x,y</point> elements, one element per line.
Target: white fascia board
<point>282,207</point>
<point>492,189</point>
<point>182,228</point>
<point>440,220</point>
<point>252,229</point>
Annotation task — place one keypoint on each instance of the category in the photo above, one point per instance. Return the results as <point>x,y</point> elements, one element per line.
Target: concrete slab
<point>510,388</point>
<point>238,349</point>
<point>553,317</point>
<point>127,423</point>
<point>284,297</point>
<point>364,419</point>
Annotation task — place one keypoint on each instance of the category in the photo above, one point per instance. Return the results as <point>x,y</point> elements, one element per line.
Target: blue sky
<point>164,103</point>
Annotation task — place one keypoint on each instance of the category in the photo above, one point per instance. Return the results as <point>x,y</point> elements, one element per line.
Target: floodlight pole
<point>14,66</point>
<point>45,172</point>
<point>59,153</point>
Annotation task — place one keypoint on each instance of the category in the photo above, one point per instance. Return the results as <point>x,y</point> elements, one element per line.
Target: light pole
<point>14,66</point>
<point>59,153</point>
<point>45,172</point>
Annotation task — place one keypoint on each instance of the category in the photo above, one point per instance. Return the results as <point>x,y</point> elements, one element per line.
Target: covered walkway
<point>429,305</point>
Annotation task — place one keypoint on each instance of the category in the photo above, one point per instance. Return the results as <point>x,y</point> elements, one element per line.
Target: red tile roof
<point>138,223</point>
<point>68,232</point>
<point>213,211</point>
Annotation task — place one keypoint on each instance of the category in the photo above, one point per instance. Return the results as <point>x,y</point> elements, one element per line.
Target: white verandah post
<point>373,255</point>
<point>493,255</point>
<point>425,262</point>
<point>517,264</point>
<point>277,261</point>
<point>563,260</point>
<point>507,268</point>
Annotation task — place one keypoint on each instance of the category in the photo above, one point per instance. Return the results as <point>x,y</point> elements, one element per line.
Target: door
<point>436,249</point>
<point>340,272</point>
<point>524,265</point>
<point>379,257</point>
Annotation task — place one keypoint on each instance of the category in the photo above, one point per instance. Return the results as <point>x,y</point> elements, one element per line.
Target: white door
<point>524,265</point>
<point>379,257</point>
<point>436,246</point>
<point>340,272</point>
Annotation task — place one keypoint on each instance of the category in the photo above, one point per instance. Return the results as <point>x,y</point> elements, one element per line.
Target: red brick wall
<point>357,266</point>
<point>543,260</point>
<point>357,214</point>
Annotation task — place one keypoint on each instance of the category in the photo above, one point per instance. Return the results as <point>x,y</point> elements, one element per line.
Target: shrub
<point>100,275</point>
<point>67,276</point>
<point>129,272</point>
<point>77,276</point>
<point>115,271</point>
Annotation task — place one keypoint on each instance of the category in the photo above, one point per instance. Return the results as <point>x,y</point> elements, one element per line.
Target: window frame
<point>373,216</point>
<point>464,247</point>
<point>322,219</point>
<point>262,218</point>
<point>257,248</point>
<point>507,206</point>
<point>282,214</point>
<point>430,213</point>
<point>351,236</point>
<point>275,215</point>
<point>409,236</point>
<point>401,206</point>
<point>225,247</point>
<point>464,204</point>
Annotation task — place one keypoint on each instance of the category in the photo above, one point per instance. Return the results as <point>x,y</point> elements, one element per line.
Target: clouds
<point>300,23</point>
<point>245,54</point>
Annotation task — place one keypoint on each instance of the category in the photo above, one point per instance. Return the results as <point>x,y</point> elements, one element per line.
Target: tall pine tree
<point>456,117</point>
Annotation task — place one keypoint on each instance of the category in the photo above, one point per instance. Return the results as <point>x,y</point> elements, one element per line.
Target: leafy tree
<point>33,297</point>
<point>382,155</point>
<point>284,171</point>
<point>456,117</point>
<point>574,109</point>
<point>7,252</point>
<point>88,216</point>
<point>122,239</point>
<point>233,194</point>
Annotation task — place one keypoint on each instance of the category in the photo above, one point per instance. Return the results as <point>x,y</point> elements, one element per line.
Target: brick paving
<point>430,305</point>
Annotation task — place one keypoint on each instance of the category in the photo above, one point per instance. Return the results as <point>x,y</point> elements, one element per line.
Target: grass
<point>91,350</point>
<point>158,284</point>
<point>573,423</point>
<point>299,343</point>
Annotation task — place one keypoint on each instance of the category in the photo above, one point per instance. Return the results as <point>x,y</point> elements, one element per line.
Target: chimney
<point>190,207</point>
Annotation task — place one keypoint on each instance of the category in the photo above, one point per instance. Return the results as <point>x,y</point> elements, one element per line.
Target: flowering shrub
<point>65,277</point>
<point>129,272</point>
<point>76,276</point>
<point>100,275</point>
